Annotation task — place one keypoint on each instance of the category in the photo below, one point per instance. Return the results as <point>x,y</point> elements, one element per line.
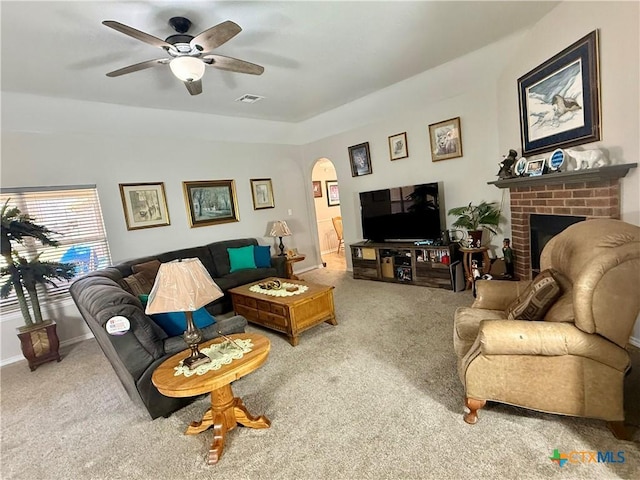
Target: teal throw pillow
<point>144,299</point>
<point>262,256</point>
<point>241,258</point>
<point>175,323</point>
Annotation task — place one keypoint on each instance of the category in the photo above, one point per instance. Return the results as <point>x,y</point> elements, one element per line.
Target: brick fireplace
<point>589,194</point>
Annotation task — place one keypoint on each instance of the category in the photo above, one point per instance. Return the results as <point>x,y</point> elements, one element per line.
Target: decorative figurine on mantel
<point>506,166</point>
<point>508,259</point>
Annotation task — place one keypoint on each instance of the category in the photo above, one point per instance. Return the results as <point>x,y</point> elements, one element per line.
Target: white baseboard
<point>63,344</point>
<point>634,341</point>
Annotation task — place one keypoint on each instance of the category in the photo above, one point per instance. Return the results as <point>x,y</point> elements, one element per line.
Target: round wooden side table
<point>226,410</point>
<point>467,257</point>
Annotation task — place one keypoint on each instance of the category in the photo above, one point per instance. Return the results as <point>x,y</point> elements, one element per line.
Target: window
<point>74,214</point>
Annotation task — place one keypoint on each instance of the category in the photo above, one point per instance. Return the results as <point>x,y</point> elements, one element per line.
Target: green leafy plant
<point>23,274</point>
<point>474,217</point>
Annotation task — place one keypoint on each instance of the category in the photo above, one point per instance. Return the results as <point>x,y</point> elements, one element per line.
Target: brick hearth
<point>597,199</point>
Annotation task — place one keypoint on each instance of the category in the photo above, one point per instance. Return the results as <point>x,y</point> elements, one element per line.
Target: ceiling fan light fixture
<point>187,69</point>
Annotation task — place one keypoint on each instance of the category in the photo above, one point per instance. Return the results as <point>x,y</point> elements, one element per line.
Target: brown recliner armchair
<point>572,361</point>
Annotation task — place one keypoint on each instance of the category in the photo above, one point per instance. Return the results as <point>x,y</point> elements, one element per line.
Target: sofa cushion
<point>242,277</point>
<point>536,300</point>
<point>202,253</point>
<point>148,269</point>
<point>175,323</point>
<point>137,284</point>
<point>262,256</point>
<point>241,258</point>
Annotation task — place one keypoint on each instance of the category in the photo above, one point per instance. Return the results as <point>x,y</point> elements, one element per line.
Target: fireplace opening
<point>542,229</point>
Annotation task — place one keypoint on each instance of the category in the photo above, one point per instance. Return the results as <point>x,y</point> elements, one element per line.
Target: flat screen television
<point>408,213</point>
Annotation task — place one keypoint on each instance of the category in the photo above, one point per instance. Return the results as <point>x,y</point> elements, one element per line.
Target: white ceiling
<point>317,55</point>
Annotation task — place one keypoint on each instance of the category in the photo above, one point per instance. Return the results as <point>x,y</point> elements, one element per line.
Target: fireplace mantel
<point>576,176</point>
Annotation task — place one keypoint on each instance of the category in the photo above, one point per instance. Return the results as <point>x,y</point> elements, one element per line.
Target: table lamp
<point>280,229</point>
<point>184,286</point>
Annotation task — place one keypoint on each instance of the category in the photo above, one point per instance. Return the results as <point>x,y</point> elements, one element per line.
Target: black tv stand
<point>404,262</point>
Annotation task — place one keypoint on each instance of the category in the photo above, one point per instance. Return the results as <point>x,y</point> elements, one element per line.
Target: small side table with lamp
<point>280,229</point>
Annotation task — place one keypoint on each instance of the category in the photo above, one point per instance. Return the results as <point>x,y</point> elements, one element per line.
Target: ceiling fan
<point>188,55</point>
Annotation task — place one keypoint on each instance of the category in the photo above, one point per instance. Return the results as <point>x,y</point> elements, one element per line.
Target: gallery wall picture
<point>144,204</point>
<point>360,159</point>
<point>333,193</point>
<point>398,146</point>
<point>317,189</point>
<point>446,139</point>
<point>211,202</point>
<point>560,100</point>
<point>262,193</point>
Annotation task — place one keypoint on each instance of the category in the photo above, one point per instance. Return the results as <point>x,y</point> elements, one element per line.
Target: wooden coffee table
<point>290,315</point>
<point>226,410</point>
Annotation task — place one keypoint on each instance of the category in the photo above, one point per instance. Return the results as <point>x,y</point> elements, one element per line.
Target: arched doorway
<point>327,206</point>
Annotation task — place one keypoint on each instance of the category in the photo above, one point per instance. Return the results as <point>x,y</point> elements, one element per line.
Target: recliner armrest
<point>522,337</point>
<point>498,294</point>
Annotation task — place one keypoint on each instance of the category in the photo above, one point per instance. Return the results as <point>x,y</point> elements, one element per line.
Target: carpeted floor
<point>376,397</point>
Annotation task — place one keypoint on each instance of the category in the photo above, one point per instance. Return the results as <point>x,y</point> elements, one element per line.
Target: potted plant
<point>476,218</point>
<point>38,338</point>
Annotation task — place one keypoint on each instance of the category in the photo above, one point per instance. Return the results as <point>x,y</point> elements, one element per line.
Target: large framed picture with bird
<point>560,99</point>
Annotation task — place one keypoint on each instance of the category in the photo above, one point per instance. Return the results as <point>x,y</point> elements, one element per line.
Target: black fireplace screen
<point>542,229</point>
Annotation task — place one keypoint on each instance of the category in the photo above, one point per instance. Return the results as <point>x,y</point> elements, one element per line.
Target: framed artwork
<point>560,100</point>
<point>333,194</point>
<point>534,167</point>
<point>317,189</point>
<point>144,204</point>
<point>262,193</point>
<point>398,146</point>
<point>211,202</point>
<point>446,139</point>
<point>360,160</point>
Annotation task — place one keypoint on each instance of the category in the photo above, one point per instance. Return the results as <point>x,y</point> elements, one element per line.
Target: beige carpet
<point>376,397</point>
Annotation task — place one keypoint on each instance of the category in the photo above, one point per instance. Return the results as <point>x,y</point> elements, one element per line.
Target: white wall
<point>481,88</point>
<point>61,142</point>
<point>36,159</point>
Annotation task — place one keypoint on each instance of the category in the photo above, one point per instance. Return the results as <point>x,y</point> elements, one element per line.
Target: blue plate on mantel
<point>557,159</point>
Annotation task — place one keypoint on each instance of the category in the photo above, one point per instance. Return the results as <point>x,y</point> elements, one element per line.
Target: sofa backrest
<point>601,259</point>
<point>202,253</point>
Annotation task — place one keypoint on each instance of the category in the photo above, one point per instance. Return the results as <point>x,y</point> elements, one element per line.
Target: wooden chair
<point>337,225</point>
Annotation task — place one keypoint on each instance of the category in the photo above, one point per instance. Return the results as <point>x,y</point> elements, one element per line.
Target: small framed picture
<point>211,202</point>
<point>534,167</point>
<point>317,189</point>
<point>360,160</point>
<point>333,194</point>
<point>145,205</point>
<point>446,139</point>
<point>398,146</point>
<point>262,193</point>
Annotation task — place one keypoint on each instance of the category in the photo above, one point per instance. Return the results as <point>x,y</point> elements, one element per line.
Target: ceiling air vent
<point>248,98</point>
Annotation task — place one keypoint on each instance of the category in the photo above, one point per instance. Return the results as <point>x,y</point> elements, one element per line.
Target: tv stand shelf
<point>404,262</point>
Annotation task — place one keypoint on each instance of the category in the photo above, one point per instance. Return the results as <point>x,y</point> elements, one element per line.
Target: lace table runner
<point>220,354</point>
<point>281,292</point>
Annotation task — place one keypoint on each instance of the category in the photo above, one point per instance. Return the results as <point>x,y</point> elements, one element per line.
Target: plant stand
<point>39,343</point>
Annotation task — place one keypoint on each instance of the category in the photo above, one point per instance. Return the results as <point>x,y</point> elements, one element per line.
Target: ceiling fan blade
<point>232,64</point>
<point>195,88</point>
<point>138,66</point>
<point>215,36</point>
<point>137,34</point>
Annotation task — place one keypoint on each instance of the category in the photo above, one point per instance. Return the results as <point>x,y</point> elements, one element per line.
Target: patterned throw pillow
<point>536,299</point>
<point>137,284</point>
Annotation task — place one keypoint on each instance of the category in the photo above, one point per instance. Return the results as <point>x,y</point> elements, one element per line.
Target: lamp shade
<point>187,69</point>
<point>182,286</point>
<point>280,229</point>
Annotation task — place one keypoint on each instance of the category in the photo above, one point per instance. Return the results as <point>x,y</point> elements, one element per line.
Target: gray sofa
<point>134,356</point>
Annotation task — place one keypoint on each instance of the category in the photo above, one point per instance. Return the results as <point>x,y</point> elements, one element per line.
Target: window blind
<point>74,214</point>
